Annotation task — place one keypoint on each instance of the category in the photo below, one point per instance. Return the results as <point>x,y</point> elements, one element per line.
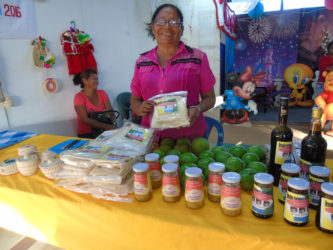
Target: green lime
<point>174,152</point>
<point>183,140</point>
<point>188,157</point>
<point>258,166</point>
<point>250,157</point>
<point>237,151</point>
<point>257,150</point>
<point>218,149</point>
<point>185,166</point>
<point>222,156</point>
<point>162,161</point>
<point>168,141</point>
<point>247,178</point>
<point>182,181</point>
<point>199,145</point>
<point>159,152</point>
<point>206,154</point>
<point>182,148</point>
<point>165,148</point>
<point>204,162</point>
<point>206,173</point>
<point>234,164</point>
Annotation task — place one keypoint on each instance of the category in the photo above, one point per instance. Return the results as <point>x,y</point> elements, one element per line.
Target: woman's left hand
<point>193,114</point>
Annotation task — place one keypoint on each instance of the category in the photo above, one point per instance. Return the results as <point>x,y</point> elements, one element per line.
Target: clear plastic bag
<point>170,110</point>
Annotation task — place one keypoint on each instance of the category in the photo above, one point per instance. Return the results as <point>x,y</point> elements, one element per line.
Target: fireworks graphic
<point>285,26</point>
<point>326,39</point>
<point>259,29</point>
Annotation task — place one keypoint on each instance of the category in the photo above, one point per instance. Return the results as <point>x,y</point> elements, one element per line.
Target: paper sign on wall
<point>17,19</point>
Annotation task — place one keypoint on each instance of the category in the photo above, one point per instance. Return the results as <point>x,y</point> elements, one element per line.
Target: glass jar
<point>231,203</point>
<point>172,159</point>
<point>216,169</point>
<point>288,170</point>
<point>153,160</point>
<point>324,214</point>
<point>142,184</point>
<point>262,198</point>
<point>317,176</point>
<point>170,180</point>
<point>194,194</point>
<point>296,207</point>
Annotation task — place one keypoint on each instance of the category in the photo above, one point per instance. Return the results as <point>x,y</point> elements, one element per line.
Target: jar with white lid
<point>324,214</point>
<point>194,193</point>
<point>170,182</point>
<point>231,203</point>
<point>153,160</point>
<point>288,170</point>
<point>216,169</point>
<point>296,207</point>
<point>172,159</point>
<point>142,184</point>
<point>317,176</point>
<point>262,198</point>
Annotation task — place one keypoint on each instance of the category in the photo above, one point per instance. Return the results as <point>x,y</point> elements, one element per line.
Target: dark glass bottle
<point>314,146</point>
<point>281,142</point>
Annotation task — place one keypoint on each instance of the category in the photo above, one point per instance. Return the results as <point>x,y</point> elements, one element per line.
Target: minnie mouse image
<point>237,101</point>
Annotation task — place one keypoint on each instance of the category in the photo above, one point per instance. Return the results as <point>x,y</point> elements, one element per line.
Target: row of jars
<point>295,191</point>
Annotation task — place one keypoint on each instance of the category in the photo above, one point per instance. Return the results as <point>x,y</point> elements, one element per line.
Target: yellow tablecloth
<point>33,206</point>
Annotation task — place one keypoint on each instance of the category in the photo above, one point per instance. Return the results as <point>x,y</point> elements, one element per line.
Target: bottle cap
<point>320,171</point>
<point>193,172</point>
<point>169,167</point>
<point>152,157</point>
<point>284,100</point>
<point>216,167</point>
<point>140,167</point>
<point>291,168</point>
<point>171,158</point>
<point>263,178</point>
<point>327,188</point>
<point>231,177</point>
<point>298,183</point>
<point>317,112</point>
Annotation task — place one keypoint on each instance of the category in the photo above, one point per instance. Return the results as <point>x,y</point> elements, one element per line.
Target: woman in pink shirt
<point>169,67</point>
<point>88,100</point>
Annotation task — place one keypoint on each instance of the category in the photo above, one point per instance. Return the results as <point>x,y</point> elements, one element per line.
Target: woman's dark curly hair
<point>84,74</point>
<point>159,8</point>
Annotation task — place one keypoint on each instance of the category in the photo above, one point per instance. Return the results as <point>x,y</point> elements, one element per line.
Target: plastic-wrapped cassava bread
<point>170,110</point>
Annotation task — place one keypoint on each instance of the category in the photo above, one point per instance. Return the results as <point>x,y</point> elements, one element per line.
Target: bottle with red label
<point>281,142</point>
<point>262,197</point>
<point>194,193</point>
<point>153,160</point>
<point>170,182</point>
<point>231,202</point>
<point>318,175</point>
<point>216,169</point>
<point>314,146</point>
<point>288,170</point>
<point>142,184</point>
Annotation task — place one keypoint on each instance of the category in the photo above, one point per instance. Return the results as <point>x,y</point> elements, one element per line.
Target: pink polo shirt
<point>81,99</point>
<point>188,70</point>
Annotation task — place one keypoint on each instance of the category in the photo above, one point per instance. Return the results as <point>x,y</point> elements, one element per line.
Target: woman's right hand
<point>146,107</point>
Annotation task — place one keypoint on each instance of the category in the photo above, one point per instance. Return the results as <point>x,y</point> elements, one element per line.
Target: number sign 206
<point>11,10</point>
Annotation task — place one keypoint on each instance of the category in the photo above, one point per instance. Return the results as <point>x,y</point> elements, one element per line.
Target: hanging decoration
<point>44,59</point>
<point>78,49</point>
<point>329,4</point>
<point>257,11</point>
<point>226,18</point>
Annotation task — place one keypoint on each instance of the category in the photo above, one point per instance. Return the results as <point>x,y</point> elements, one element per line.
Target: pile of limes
<point>246,162</point>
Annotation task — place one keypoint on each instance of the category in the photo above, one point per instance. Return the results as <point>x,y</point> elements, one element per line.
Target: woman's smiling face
<point>167,34</point>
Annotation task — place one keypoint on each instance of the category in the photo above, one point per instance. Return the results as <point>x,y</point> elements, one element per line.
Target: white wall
<point>117,29</point>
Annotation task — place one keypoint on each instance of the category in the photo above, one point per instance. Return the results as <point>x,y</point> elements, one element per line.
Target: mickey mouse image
<point>237,101</point>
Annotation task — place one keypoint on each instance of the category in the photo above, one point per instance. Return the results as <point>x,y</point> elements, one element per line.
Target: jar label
<point>155,171</point>
<point>194,190</point>
<point>215,178</point>
<point>262,200</point>
<point>305,167</point>
<point>326,214</point>
<point>137,135</point>
<point>315,191</point>
<point>283,187</point>
<point>283,152</point>
<point>141,184</point>
<point>170,186</point>
<point>296,207</point>
<point>231,197</point>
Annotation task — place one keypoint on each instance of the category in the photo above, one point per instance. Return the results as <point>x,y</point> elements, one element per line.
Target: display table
<point>78,221</point>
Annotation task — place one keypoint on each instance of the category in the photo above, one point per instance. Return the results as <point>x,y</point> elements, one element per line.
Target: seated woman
<point>88,100</point>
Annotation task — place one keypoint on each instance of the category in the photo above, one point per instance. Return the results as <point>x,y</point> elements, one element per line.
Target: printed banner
<point>18,19</point>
